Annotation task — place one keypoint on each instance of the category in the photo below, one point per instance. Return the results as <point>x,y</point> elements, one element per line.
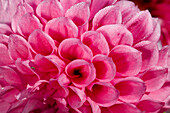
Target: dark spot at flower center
<point>77,72</point>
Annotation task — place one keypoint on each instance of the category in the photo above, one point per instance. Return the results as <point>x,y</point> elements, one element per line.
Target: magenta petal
<point>50,9</point>
<point>4,39</point>
<point>155,78</point>
<point>127,9</point>
<point>104,94</point>
<point>128,60</point>
<point>140,25</point>
<point>149,105</point>
<point>27,24</point>
<point>4,56</point>
<point>105,68</point>
<point>5,29</point>
<point>41,42</point>
<point>150,54</point>
<point>76,97</point>
<point>61,28</point>
<point>131,89</point>
<point>116,35</point>
<point>81,72</point>
<point>73,48</point>
<point>4,106</point>
<point>96,42</point>
<point>107,15</point>
<point>95,108</point>
<point>10,76</point>
<point>19,47</point>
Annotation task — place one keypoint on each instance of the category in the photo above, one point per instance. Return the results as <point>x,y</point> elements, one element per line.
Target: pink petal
<point>5,29</point>
<point>18,47</point>
<point>155,35</point>
<point>4,39</point>
<point>27,24</point>
<point>72,49</point>
<point>41,42</point>
<point>107,15</point>
<point>50,9</point>
<point>150,54</point>
<point>80,72</point>
<point>61,28</point>
<point>4,56</point>
<point>105,68</point>
<point>155,78</point>
<point>76,97</point>
<point>10,75</point>
<point>79,13</point>
<point>104,94</point>
<point>21,10</point>
<point>131,89</point>
<point>128,60</point>
<point>96,42</point>
<point>4,106</point>
<point>121,108</point>
<point>140,25</point>
<point>116,35</point>
<point>95,108</point>
<point>127,9</point>
<point>100,4</point>
<point>149,105</point>
<point>33,3</point>
<point>61,92</point>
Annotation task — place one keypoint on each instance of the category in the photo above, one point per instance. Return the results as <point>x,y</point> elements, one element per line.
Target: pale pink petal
<point>61,28</point>
<point>96,42</point>
<point>121,108</point>
<point>105,68</point>
<point>103,94</point>
<point>150,54</point>
<point>154,78</point>
<point>4,39</point>
<point>131,89</point>
<point>5,29</point>
<point>96,5</point>
<point>155,35</point>
<point>107,15</point>
<point>128,60</point>
<point>21,10</point>
<point>4,106</point>
<point>140,25</point>
<point>50,9</point>
<point>116,35</point>
<point>27,24</point>
<point>95,108</point>
<point>150,105</point>
<point>4,56</point>
<point>127,9</point>
<point>80,72</point>
<point>18,47</point>
<point>33,3</point>
<point>76,97</point>
<point>41,42</point>
<point>10,76</point>
<point>73,48</point>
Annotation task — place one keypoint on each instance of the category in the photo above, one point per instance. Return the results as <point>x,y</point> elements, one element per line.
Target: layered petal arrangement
<point>81,56</point>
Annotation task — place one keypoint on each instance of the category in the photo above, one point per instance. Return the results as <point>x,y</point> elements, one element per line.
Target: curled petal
<point>72,49</point>
<point>150,105</point>
<point>27,24</point>
<point>96,42</point>
<point>105,68</point>
<point>107,15</point>
<point>41,42</point>
<point>18,47</point>
<point>4,39</point>
<point>81,72</point>
<point>76,97</point>
<point>61,28</point>
<point>150,54</point>
<point>5,29</point>
<point>116,35</point>
<point>127,9</point>
<point>104,94</point>
<point>50,9</point>
<point>141,25</point>
<point>128,60</point>
<point>154,78</point>
<point>131,89</point>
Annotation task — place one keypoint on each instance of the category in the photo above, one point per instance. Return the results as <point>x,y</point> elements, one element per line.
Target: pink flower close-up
<point>81,56</point>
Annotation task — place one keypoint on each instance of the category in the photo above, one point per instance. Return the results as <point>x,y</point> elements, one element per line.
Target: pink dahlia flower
<point>160,9</point>
<point>81,56</point>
